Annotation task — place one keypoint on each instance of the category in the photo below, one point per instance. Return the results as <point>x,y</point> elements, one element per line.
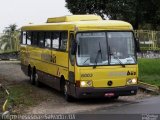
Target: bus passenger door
<point>71,66</point>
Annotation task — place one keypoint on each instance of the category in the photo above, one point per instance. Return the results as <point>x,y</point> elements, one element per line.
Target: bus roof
<point>72,18</point>
<point>80,23</point>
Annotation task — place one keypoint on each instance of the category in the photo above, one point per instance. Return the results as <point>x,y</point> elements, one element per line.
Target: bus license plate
<point>109,94</point>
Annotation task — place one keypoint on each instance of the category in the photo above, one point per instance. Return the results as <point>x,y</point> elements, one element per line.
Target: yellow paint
<point>42,58</point>
<point>81,25</point>
<point>4,105</point>
<point>101,75</point>
<point>72,18</point>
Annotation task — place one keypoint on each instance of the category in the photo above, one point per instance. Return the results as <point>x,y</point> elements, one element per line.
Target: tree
<point>10,37</point>
<point>137,12</point>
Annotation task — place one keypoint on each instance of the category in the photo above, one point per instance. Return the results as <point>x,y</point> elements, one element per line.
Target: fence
<point>149,40</point>
<point>149,54</point>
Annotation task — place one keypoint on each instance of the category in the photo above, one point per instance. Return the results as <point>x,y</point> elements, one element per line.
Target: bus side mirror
<point>74,47</point>
<point>137,45</point>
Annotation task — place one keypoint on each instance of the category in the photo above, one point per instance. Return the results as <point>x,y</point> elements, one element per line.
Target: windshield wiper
<point>97,56</point>
<point>86,60</point>
<point>115,56</point>
<point>120,62</point>
<point>133,58</point>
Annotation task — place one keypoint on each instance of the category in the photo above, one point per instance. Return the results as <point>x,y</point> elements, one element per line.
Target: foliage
<point>10,38</point>
<point>149,71</point>
<point>137,12</point>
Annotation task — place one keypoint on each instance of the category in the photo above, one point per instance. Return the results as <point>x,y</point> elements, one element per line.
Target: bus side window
<point>70,46</point>
<point>48,40</point>
<point>55,40</point>
<point>29,38</point>
<point>24,38</point>
<point>41,39</point>
<point>35,38</point>
<point>63,43</point>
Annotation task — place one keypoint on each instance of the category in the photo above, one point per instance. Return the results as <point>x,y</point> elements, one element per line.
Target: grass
<point>149,71</point>
<point>25,95</point>
<point>22,94</point>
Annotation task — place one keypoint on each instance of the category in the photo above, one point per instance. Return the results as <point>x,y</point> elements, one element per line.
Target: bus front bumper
<point>105,92</point>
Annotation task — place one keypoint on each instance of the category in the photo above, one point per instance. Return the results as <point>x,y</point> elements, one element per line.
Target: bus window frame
<point>35,45</point>
<point>53,32</point>
<point>26,38</point>
<point>38,45</point>
<point>136,62</point>
<point>21,38</point>
<point>52,36</point>
<point>60,41</point>
<point>72,61</point>
<point>44,39</point>
<point>58,49</point>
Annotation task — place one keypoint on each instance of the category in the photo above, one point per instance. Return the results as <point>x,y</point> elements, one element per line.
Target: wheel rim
<point>31,80</point>
<point>65,90</point>
<point>36,78</point>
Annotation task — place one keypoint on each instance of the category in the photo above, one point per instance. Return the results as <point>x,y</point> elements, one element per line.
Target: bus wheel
<point>33,77</point>
<point>37,82</point>
<point>67,97</point>
<point>115,98</point>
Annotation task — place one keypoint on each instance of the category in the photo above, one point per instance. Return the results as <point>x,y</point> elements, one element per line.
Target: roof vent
<point>72,18</point>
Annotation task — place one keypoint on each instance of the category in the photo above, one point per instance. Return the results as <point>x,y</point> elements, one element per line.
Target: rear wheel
<point>33,76</point>
<point>37,82</point>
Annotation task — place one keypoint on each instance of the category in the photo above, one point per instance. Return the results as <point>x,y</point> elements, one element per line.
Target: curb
<point>10,61</point>
<point>149,88</point>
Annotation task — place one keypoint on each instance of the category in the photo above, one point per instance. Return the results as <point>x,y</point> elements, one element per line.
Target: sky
<point>22,12</point>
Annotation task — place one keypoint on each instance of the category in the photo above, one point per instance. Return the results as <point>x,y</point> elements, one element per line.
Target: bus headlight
<point>86,83</point>
<point>132,81</point>
<point>83,83</point>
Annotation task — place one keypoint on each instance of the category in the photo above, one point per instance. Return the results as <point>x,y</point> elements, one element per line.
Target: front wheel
<point>66,96</point>
<point>115,97</point>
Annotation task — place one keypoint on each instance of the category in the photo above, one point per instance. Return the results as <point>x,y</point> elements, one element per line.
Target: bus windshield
<point>105,48</point>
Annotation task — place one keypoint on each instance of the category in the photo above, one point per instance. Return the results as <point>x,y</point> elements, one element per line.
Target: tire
<point>114,98</point>
<point>67,97</point>
<point>29,71</point>
<point>33,77</point>
<point>37,82</point>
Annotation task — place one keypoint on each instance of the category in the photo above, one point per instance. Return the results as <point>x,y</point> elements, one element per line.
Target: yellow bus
<point>81,55</point>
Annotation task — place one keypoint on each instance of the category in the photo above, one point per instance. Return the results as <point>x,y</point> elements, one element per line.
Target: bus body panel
<point>101,75</point>
<point>92,92</point>
<point>53,64</point>
<point>49,64</point>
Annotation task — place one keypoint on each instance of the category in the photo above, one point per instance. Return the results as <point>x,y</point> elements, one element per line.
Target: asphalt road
<point>146,106</point>
<point>146,109</point>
